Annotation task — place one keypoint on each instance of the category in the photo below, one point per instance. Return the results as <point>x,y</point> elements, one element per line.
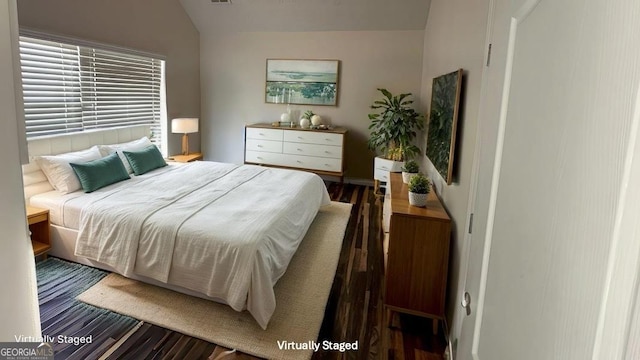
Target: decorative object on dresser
<point>319,151</point>
<point>316,120</point>
<point>285,118</point>
<point>419,188</point>
<point>443,117</point>
<point>393,129</point>
<point>409,170</point>
<point>417,259</point>
<point>306,82</point>
<point>184,126</point>
<point>38,220</point>
<point>305,119</point>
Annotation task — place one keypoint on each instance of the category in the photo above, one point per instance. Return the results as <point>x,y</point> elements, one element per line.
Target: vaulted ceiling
<point>307,15</point>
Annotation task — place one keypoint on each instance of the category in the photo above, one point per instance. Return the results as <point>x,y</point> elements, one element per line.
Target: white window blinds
<point>119,89</point>
<point>74,88</point>
<point>51,87</point>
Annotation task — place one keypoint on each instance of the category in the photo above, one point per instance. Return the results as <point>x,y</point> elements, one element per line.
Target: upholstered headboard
<point>34,180</point>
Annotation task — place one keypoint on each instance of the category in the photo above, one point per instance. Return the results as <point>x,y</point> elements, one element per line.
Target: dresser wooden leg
<point>435,327</point>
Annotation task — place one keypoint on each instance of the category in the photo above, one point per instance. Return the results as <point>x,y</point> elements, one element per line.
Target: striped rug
<point>59,282</point>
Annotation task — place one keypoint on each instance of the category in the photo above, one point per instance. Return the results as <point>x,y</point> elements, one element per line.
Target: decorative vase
<point>316,120</point>
<point>406,177</point>
<point>419,200</point>
<point>285,118</point>
<point>304,123</point>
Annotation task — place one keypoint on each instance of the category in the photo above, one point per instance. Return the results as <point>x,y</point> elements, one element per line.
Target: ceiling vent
<point>221,1</point>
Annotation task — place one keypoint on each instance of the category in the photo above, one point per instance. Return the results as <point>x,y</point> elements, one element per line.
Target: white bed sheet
<point>231,242</point>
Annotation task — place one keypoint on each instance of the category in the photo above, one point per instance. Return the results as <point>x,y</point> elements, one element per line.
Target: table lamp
<point>184,126</point>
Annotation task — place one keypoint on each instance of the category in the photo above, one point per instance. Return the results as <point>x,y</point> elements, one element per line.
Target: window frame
<point>156,78</point>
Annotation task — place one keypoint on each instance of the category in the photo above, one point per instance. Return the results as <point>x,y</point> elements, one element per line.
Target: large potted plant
<point>394,125</point>
<point>419,188</point>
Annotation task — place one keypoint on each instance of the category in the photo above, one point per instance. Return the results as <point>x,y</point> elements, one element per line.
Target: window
<point>71,88</point>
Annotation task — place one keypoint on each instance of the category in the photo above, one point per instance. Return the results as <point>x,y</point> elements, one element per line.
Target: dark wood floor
<point>354,310</point>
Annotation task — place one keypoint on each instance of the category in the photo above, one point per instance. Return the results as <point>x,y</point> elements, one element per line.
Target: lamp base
<point>185,144</point>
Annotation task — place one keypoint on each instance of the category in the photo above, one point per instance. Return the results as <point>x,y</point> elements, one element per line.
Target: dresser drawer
<point>264,134</point>
<point>382,175</point>
<point>388,165</point>
<point>326,151</point>
<point>315,163</point>
<point>263,158</point>
<point>313,137</point>
<point>264,145</point>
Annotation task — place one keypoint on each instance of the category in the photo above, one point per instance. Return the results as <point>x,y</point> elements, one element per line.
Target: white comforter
<point>223,230</point>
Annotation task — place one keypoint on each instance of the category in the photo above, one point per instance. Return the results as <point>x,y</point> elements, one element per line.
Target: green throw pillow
<point>99,173</point>
<point>145,160</point>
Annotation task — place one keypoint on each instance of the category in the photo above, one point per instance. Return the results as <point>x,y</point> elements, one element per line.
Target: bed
<point>219,231</point>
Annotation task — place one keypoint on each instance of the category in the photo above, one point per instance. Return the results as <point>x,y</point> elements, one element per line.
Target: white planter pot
<point>419,200</point>
<point>406,177</point>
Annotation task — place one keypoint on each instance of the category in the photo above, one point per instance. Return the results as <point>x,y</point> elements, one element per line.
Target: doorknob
<point>466,303</point>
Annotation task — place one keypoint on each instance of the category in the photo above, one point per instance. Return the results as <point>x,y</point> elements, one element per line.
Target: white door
<point>552,214</point>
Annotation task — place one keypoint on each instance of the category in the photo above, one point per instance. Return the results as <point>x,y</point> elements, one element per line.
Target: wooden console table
<point>418,254</point>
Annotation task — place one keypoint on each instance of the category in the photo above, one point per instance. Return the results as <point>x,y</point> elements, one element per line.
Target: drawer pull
<point>261,134</point>
<point>259,158</point>
<point>385,168</point>
<point>259,146</point>
<point>299,162</point>
<point>327,152</point>
<point>300,137</point>
<point>299,149</point>
<point>327,139</point>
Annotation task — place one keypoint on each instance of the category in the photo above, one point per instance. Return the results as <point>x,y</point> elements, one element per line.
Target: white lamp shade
<point>184,125</point>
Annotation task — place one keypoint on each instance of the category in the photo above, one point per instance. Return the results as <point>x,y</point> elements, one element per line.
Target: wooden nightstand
<point>38,220</point>
<point>186,158</point>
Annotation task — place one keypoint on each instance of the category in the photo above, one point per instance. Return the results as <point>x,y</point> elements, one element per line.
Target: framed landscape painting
<point>443,118</point>
<point>305,82</point>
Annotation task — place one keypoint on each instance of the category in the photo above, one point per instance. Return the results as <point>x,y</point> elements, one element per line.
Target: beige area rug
<point>301,297</point>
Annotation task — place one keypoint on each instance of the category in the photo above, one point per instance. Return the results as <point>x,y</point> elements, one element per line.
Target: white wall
<point>157,26</point>
<point>454,38</point>
<point>19,300</point>
<point>233,83</point>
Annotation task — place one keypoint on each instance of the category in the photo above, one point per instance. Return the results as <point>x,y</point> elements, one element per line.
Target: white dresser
<point>382,169</point>
<point>319,151</point>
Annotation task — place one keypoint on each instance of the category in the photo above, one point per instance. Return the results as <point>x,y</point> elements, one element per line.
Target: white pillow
<point>135,145</point>
<point>58,171</point>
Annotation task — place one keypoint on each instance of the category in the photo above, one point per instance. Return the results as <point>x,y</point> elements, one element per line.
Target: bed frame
<point>63,240</point>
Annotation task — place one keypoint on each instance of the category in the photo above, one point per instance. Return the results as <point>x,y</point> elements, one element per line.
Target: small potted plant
<point>419,188</point>
<point>409,170</point>
<point>305,120</point>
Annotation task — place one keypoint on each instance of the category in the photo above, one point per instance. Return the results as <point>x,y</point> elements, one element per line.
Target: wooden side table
<point>38,220</point>
<point>186,158</point>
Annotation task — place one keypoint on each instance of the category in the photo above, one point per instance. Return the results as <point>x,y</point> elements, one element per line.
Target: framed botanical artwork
<point>305,82</point>
<point>443,118</point>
